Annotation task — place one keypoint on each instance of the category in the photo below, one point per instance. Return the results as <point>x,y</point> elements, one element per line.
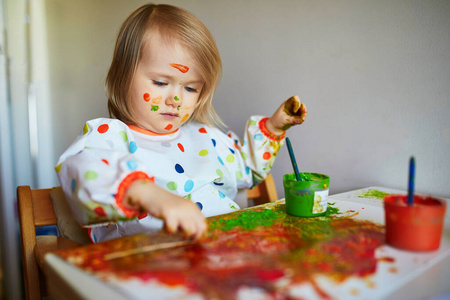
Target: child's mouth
<point>170,116</point>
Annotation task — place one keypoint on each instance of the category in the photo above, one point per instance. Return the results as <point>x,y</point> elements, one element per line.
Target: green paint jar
<point>306,198</point>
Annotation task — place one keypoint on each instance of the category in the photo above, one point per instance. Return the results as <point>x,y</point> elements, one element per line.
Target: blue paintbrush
<point>412,167</point>
<point>294,163</point>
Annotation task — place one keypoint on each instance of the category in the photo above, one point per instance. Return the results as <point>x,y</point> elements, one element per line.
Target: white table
<point>419,276</point>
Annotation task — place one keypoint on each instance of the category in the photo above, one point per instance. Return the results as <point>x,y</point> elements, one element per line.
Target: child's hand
<point>291,112</point>
<point>178,213</point>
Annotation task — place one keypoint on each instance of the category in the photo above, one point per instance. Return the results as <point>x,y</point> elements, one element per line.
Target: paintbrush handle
<point>412,171</point>
<point>145,249</point>
<point>292,156</point>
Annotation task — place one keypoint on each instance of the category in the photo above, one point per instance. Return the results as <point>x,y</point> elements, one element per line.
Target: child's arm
<point>291,112</point>
<point>177,212</point>
<point>264,137</point>
<point>99,170</point>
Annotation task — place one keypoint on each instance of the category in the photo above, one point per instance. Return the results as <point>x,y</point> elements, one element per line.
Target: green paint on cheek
<point>155,107</point>
<point>176,98</point>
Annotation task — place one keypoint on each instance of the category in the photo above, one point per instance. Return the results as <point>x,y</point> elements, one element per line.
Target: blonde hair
<point>171,23</point>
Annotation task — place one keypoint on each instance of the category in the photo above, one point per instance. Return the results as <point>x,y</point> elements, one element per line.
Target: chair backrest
<point>264,192</point>
<point>35,210</point>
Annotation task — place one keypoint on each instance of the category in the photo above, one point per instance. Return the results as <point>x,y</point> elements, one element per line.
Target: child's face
<point>165,88</point>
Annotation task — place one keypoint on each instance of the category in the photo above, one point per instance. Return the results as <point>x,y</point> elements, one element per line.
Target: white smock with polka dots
<point>197,162</point>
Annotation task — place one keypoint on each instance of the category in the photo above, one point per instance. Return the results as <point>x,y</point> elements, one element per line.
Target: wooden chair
<point>264,192</point>
<point>35,210</point>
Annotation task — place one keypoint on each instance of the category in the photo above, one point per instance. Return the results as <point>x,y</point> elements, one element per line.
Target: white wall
<point>375,76</point>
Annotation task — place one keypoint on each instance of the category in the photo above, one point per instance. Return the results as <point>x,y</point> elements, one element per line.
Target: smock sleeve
<point>258,149</point>
<point>96,170</point>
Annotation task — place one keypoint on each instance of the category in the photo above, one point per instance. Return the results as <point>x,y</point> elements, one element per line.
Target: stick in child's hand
<point>144,249</point>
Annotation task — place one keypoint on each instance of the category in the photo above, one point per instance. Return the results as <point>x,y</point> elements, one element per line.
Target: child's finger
<point>188,227</point>
<point>302,113</point>
<point>171,225</point>
<point>292,105</point>
<point>201,229</point>
<point>297,104</point>
<point>303,110</point>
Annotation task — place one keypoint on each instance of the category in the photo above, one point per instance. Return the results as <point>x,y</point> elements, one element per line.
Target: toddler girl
<point>164,161</point>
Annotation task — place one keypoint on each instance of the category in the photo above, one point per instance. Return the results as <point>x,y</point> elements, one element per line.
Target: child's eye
<point>159,83</point>
<point>191,90</point>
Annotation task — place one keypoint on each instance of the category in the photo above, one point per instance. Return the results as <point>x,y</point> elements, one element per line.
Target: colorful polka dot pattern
<point>227,160</point>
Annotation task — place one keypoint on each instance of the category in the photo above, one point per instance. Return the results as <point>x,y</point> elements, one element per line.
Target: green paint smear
<point>252,219</point>
<point>155,107</point>
<point>247,220</point>
<point>375,194</point>
<point>331,210</point>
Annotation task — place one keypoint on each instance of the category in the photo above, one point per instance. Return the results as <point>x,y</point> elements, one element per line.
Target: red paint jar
<point>416,227</point>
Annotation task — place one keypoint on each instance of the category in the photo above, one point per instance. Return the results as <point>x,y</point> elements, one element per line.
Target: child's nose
<point>173,100</point>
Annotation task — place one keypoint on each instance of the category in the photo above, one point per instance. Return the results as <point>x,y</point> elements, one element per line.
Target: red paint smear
<point>168,127</point>
<point>269,274</point>
<point>387,259</point>
<point>266,155</point>
<point>105,161</point>
<point>202,130</point>
<point>225,261</point>
<point>147,97</point>
<point>182,68</point>
<point>165,277</point>
<point>181,147</point>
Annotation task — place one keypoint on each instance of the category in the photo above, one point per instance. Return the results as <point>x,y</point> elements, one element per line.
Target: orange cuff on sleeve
<point>267,133</point>
<point>124,185</point>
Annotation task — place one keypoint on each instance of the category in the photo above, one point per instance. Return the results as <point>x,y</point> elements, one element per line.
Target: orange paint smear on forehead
<point>183,69</point>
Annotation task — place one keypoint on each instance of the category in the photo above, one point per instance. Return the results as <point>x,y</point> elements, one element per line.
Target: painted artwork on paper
<point>261,249</point>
